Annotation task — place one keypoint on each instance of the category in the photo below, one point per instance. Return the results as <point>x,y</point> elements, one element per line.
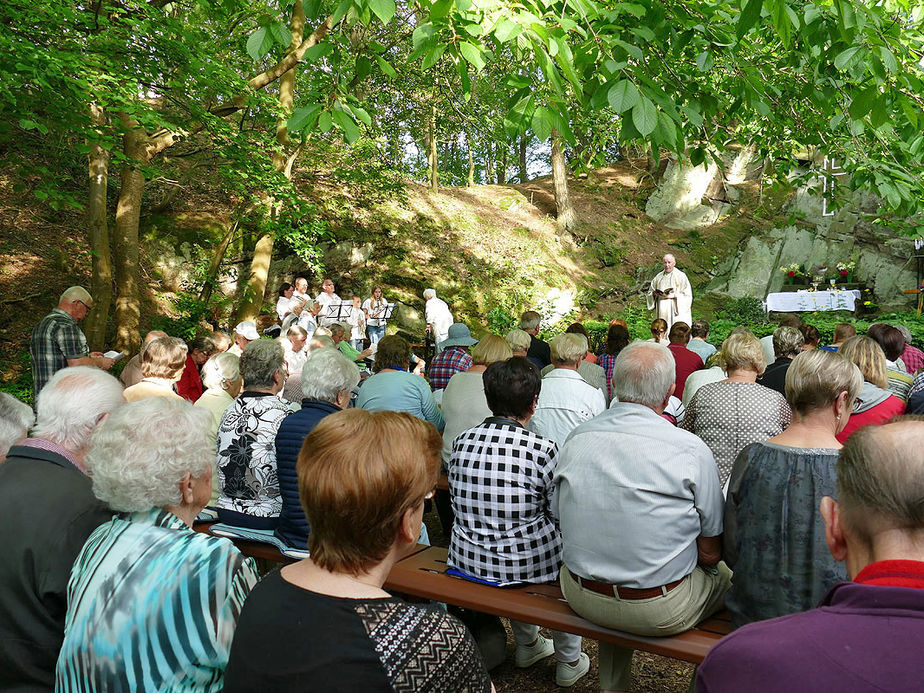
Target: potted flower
<point>792,271</point>
<point>846,270</point>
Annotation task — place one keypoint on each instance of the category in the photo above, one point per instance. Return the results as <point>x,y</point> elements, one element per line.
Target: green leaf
<point>281,34</point>
<point>811,14</point>
<point>324,121</point>
<point>422,34</point>
<point>345,122</point>
<point>363,68</point>
<point>341,11</point>
<point>507,30</point>
<point>473,29</point>
<point>362,114</point>
<point>384,9</point>
<point>629,48</point>
<point>835,122</point>
<point>259,43</point>
<point>623,96</point>
<point>645,117</point>
<point>440,9</point>
<point>697,156</point>
<point>472,54</point>
<point>888,59</point>
<point>302,118</point>
<point>845,57</point>
<point>318,50</point>
<point>878,114</point>
<point>387,69</point>
<point>312,8</point>
<point>693,115</point>
<point>705,61</point>
<point>542,124</point>
<point>748,17</point>
<point>862,103</point>
<point>433,56</point>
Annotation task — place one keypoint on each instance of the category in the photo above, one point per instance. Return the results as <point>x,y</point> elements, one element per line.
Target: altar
<point>806,301</point>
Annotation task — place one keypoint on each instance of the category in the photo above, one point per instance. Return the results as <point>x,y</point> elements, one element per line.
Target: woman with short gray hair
<point>774,532</point>
<point>247,473</point>
<point>16,418</point>
<point>222,379</point>
<point>152,605</point>
<point>162,364</point>
<point>737,411</point>
<point>328,380</point>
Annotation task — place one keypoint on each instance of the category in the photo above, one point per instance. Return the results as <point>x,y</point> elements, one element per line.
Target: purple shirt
<point>862,637</point>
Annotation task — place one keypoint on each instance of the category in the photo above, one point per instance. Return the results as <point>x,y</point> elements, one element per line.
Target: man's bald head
<point>880,479</point>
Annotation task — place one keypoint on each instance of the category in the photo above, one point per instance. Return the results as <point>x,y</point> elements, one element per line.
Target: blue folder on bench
<point>264,536</point>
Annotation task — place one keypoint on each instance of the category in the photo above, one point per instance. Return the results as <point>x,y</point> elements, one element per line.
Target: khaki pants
<point>701,594</point>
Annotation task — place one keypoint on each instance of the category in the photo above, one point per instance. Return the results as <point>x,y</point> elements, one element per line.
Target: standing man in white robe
<point>438,317</point>
<point>671,295</point>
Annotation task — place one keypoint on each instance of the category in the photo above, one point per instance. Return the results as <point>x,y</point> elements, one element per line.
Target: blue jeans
<point>375,332</point>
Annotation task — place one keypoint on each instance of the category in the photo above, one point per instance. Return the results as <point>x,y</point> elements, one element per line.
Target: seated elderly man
<point>247,473</point>
<point>162,364</point>
<point>625,566</point>
<point>593,374</point>
<point>16,418</point>
<point>340,334</point>
<point>686,362</point>
<point>513,538</point>
<point>454,357</point>
<point>328,379</point>
<point>865,634</point>
<point>244,333</point>
<point>538,351</point>
<point>47,511</point>
<point>152,605</point>
<point>566,399</point>
<point>787,344</point>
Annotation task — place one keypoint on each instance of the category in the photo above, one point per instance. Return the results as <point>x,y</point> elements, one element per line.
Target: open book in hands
<point>667,293</point>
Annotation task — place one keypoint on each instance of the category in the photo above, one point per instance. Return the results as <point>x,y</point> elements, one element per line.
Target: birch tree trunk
<point>94,325</point>
<point>564,209</point>
<point>523,174</point>
<point>471,162</point>
<point>432,159</point>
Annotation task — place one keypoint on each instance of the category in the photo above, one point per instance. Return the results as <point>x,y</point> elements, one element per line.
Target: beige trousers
<point>701,594</point>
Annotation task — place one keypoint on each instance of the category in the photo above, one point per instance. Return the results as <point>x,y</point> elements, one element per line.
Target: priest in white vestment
<point>671,295</point>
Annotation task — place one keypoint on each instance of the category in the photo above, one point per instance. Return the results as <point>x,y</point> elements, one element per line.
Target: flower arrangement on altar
<point>793,270</point>
<point>846,268</point>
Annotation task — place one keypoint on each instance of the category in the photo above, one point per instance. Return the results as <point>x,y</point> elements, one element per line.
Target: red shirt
<point>686,362</point>
<point>189,386</point>
<point>876,416</point>
<point>897,573</point>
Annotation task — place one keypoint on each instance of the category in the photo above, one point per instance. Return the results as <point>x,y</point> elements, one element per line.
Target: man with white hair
<point>566,399</point>
<point>244,333</point>
<point>47,511</point>
<point>16,418</point>
<point>643,556</point>
<point>438,317</point>
<point>58,342</point>
<point>670,294</point>
<point>865,635</point>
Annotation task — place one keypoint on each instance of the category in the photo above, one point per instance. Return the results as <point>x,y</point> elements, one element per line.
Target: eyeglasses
<point>857,403</point>
<point>83,304</point>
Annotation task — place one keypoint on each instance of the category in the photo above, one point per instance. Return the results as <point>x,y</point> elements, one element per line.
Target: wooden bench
<point>423,574</point>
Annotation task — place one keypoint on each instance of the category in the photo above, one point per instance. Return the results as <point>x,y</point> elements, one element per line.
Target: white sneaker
<point>567,675</point>
<point>527,655</point>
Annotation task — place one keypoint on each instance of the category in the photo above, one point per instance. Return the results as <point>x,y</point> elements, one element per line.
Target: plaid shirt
<point>55,339</point>
<point>607,362</point>
<point>446,364</point>
<point>500,482</point>
<point>913,358</point>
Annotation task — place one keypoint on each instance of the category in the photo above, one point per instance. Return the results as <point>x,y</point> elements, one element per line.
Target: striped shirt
<point>151,605</point>
<point>55,339</point>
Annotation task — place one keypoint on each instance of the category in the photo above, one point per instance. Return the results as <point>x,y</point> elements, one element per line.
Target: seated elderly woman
<point>16,418</point>
<point>328,379</point>
<point>731,413</point>
<point>876,404</point>
<point>162,365</point>
<point>774,532</point>
<point>151,604</point>
<point>513,538</point>
<point>246,458</point>
<point>787,344</point>
<point>222,380</point>
<point>593,375</point>
<point>325,623</point>
<point>340,334</point>
<point>392,388</point>
<point>518,341</point>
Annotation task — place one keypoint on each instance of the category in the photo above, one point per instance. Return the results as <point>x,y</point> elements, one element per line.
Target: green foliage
<point>21,387</point>
<point>191,314</point>
<point>500,321</point>
<point>744,311</point>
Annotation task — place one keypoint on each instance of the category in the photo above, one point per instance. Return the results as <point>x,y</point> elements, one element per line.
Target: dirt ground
<point>650,673</point>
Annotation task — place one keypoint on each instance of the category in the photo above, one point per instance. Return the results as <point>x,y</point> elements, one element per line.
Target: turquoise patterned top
<point>151,605</point>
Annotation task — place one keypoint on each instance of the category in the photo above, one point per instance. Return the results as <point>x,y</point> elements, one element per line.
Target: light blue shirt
<point>400,391</point>
<point>702,348</point>
<point>151,606</point>
<point>565,401</point>
<point>633,493</point>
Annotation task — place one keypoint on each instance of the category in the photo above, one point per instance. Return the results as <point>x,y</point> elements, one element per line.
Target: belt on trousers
<point>625,592</point>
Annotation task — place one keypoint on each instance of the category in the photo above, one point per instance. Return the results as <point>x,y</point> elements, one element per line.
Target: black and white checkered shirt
<point>500,481</point>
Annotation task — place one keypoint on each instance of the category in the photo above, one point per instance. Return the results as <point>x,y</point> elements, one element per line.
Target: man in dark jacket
<point>539,352</point>
<point>866,634</point>
<point>47,511</point>
<point>787,344</point>
<point>328,379</point>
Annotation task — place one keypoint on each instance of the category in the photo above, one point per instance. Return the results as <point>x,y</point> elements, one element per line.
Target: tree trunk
<point>489,163</point>
<point>128,213</point>
<point>282,162</point>
<point>565,210</point>
<point>523,175</point>
<point>94,325</point>
<point>433,161</point>
<point>471,162</point>
<point>217,256</point>
<point>502,163</point>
